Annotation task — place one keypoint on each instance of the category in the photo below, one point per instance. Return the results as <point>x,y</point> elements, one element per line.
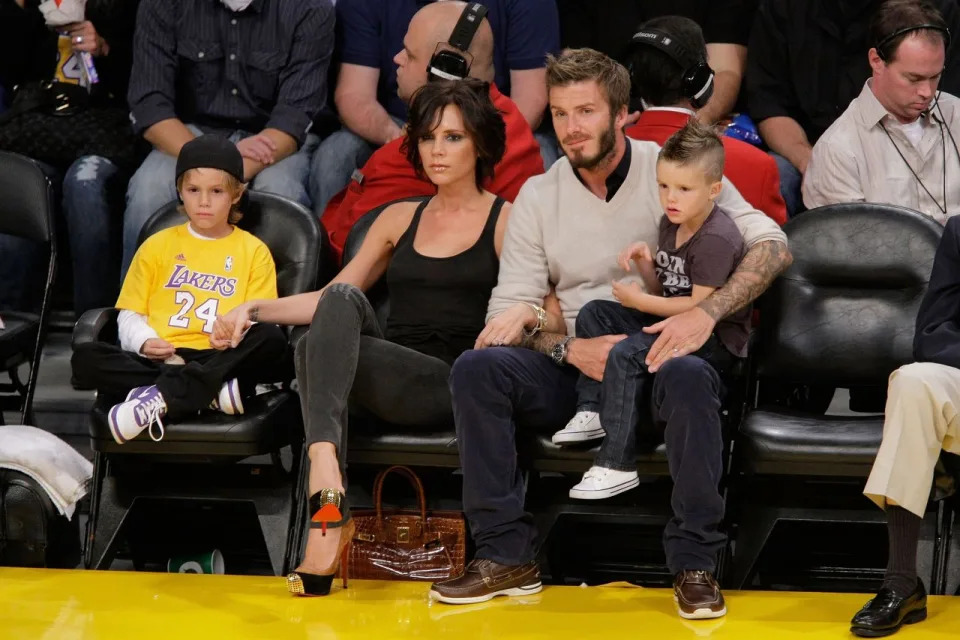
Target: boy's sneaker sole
<point>572,437</point>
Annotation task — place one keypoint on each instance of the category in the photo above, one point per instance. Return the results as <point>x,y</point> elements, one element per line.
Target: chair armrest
<point>92,325</point>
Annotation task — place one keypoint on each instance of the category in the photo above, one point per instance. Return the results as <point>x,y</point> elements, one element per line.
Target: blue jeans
<point>152,186</point>
<point>92,188</point>
<point>338,156</point>
<point>549,147</point>
<point>790,182</point>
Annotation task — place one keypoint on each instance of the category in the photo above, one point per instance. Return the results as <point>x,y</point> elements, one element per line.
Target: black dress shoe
<point>887,612</point>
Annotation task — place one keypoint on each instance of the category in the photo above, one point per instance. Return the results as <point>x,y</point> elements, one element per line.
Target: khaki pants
<point>923,403</point>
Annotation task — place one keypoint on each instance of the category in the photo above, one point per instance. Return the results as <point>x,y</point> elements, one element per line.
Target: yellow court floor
<point>70,605</point>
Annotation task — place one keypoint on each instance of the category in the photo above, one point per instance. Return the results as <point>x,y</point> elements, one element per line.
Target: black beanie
<point>210,152</point>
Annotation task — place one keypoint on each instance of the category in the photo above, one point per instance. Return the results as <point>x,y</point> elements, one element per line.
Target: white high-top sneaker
<point>228,400</point>
<point>128,419</point>
<point>583,426</point>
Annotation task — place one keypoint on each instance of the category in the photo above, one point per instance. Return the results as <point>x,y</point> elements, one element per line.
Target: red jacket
<point>387,176</point>
<point>751,171</point>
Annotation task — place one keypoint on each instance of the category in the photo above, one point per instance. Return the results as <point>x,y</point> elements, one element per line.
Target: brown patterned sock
<point>903,529</point>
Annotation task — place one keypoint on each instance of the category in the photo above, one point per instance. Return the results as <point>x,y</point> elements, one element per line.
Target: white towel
<point>55,465</point>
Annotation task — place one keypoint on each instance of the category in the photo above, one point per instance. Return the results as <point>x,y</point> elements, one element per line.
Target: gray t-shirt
<point>706,259</point>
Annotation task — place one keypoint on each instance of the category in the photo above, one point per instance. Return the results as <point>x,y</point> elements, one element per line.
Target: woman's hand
<point>228,329</point>
<point>507,328</point>
<point>84,38</point>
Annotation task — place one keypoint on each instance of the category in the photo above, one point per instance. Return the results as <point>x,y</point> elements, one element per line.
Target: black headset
<point>455,65</point>
<point>696,84</point>
<point>881,46</point>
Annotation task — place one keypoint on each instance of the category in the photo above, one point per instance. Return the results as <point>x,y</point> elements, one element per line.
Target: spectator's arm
<point>754,225</point>
<point>133,330</point>
<point>152,91</point>
<point>532,31</point>
<point>832,175</point>
<point>772,98</point>
<point>785,136</point>
<point>303,80</point>
<point>524,275</point>
<point>168,135</point>
<point>356,100</point>
<point>728,62</point>
<point>284,145</point>
<point>937,337</point>
<point>528,90</point>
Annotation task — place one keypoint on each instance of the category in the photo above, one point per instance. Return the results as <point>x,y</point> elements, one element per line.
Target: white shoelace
<point>154,408</point>
<point>595,473</point>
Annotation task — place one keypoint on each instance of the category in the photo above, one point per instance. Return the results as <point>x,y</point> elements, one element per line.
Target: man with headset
<point>670,77</point>
<point>369,35</point>
<point>443,40</point>
<point>895,142</point>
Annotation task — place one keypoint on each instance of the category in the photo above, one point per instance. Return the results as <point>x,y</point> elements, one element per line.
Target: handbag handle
<point>414,481</point>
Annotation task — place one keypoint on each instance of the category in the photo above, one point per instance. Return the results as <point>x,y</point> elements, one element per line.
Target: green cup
<point>208,562</point>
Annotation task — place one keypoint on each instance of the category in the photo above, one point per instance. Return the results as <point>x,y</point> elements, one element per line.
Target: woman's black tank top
<point>438,305</point>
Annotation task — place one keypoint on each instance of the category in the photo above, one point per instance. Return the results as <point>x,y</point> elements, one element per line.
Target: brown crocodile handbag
<point>406,545</point>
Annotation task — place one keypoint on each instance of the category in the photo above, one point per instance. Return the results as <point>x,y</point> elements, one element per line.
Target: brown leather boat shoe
<point>697,595</point>
<point>485,579</point>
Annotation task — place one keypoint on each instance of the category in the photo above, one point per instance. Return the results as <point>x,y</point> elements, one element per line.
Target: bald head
<point>429,27</point>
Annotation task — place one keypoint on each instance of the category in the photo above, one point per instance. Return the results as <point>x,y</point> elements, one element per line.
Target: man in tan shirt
<point>895,143</point>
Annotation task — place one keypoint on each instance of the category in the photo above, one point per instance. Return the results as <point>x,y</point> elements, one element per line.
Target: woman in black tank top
<point>440,258</point>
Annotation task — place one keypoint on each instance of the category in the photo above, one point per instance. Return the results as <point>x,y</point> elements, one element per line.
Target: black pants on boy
<point>262,356</point>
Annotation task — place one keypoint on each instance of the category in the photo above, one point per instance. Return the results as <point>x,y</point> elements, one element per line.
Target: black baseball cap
<point>210,151</point>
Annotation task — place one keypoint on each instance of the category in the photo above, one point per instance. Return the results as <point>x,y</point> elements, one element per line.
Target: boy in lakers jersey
<point>181,279</point>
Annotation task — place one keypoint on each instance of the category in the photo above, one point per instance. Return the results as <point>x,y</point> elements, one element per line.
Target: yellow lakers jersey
<point>182,282</point>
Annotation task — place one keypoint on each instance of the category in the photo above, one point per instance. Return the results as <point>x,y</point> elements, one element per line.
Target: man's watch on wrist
<point>559,352</point>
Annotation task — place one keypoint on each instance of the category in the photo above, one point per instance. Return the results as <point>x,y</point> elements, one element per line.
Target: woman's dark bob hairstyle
<point>483,123</point>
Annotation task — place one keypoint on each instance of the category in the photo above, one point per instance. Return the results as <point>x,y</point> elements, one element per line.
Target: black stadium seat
<point>271,421</point>
<point>842,315</point>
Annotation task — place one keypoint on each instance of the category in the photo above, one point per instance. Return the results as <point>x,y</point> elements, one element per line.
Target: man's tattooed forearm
<point>254,314</point>
<point>542,342</point>
<point>758,269</point>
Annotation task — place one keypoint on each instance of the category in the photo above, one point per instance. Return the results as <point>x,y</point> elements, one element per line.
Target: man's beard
<point>607,143</point>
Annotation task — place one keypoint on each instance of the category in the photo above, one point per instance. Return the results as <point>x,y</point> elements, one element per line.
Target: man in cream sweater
<point>566,229</point>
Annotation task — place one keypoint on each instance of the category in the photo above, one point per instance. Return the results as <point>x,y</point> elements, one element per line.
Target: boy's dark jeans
<point>686,418</point>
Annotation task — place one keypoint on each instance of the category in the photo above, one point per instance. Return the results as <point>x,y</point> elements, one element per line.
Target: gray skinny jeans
<point>344,361</point>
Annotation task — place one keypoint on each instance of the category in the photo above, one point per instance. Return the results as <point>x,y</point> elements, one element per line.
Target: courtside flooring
<point>46,604</point>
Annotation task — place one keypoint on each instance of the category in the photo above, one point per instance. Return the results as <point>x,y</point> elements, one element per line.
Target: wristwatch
<point>559,353</point>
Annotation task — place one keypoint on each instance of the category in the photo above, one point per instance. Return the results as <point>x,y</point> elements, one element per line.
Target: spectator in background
<point>895,142</point>
<point>370,37</point>
<point>608,25</point>
<point>92,184</point>
<point>388,175</point>
<point>806,64</point>
<point>657,79</point>
<point>254,71</point>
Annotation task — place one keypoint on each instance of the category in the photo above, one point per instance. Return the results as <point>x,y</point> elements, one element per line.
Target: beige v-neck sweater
<point>560,233</point>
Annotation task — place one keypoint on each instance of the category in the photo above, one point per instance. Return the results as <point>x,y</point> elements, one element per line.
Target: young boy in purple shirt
<point>699,247</point>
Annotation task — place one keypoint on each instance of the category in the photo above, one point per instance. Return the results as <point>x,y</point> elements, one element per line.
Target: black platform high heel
<point>328,510</point>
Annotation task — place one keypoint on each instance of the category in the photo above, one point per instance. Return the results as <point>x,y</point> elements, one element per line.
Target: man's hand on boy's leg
<point>680,335</point>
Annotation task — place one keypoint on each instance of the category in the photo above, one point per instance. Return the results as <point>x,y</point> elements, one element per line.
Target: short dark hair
<point>582,65</point>
<point>481,119</point>
<point>696,143</point>
<point>894,15</point>
<point>655,76</point>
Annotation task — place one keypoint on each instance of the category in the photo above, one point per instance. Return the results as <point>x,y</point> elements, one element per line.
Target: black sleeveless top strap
<point>438,305</point>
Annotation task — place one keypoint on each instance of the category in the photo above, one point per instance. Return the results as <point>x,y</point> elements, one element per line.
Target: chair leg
<point>108,514</point>
<point>755,530</point>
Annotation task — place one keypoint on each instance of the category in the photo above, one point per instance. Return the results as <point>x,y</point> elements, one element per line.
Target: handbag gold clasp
<point>403,534</point>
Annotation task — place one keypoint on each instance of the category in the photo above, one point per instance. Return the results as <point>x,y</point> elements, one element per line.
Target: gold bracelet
<point>541,321</point>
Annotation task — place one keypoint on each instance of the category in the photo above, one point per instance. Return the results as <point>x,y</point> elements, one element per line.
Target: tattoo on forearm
<point>542,342</point>
<point>254,314</point>
<point>758,269</point>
